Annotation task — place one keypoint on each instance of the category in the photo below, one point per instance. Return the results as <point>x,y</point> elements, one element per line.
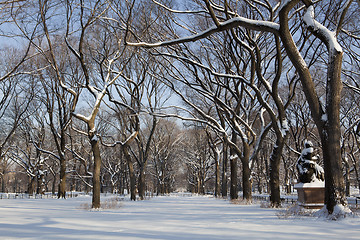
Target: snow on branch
<point>229,24</point>
<point>327,36</point>
<point>128,140</point>
<point>283,125</point>
<point>354,88</point>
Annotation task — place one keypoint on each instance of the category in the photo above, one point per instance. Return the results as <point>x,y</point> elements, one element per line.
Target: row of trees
<point>87,94</point>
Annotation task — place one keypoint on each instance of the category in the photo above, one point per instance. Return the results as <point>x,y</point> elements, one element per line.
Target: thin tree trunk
<point>62,184</point>
<point>142,183</point>
<point>258,175</point>
<point>224,183</point>
<point>131,174</point>
<point>96,170</point>
<point>233,170</point>
<point>275,160</point>
<point>217,174</point>
<point>347,179</point>
<point>53,188</point>
<point>201,188</point>
<point>3,181</point>
<point>246,174</point>
<point>233,177</point>
<point>40,180</point>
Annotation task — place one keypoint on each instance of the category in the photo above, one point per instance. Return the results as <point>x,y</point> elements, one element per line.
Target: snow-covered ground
<point>172,217</point>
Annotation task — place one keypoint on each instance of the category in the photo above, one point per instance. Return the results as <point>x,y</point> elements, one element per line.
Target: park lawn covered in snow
<point>172,217</point>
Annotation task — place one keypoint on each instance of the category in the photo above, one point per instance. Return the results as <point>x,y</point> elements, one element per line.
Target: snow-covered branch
<point>258,25</point>
<point>327,36</point>
<point>132,136</point>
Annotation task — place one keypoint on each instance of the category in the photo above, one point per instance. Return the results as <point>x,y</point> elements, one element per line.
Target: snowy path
<point>163,218</point>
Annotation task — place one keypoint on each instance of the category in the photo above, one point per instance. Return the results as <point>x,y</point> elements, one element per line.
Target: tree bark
<point>2,177</point>
<point>331,136</point>
<point>275,160</point>
<point>31,185</point>
<point>62,184</point>
<point>217,174</point>
<point>233,170</point>
<point>131,174</point>
<point>53,188</point>
<point>246,173</point>
<point>233,177</point>
<point>96,170</point>
<point>347,180</point>
<point>224,183</point>
<point>40,180</point>
<point>142,183</point>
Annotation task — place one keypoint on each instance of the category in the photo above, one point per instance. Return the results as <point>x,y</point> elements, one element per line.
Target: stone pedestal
<point>310,195</point>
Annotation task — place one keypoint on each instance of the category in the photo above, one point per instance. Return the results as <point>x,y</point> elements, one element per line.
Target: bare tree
<point>100,54</point>
<point>55,99</point>
<point>325,117</point>
<point>165,152</point>
<point>198,159</point>
<point>14,102</point>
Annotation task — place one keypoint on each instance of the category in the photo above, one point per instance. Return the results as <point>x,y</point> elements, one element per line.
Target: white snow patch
<point>307,150</point>
<point>316,183</point>
<point>233,157</point>
<point>339,212</point>
<point>283,126</point>
<point>324,117</point>
<point>259,23</point>
<point>172,217</point>
<point>95,138</point>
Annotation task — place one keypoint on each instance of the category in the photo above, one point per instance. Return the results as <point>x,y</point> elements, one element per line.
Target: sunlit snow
<point>172,217</point>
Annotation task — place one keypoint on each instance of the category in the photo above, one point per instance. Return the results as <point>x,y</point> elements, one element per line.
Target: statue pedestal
<point>311,195</point>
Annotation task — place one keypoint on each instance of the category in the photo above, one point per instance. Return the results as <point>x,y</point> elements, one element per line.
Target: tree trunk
<point>3,182</point>
<point>201,183</point>
<point>267,170</point>
<point>62,184</point>
<point>217,174</point>
<point>334,181</point>
<point>31,185</point>
<point>275,160</point>
<point>224,183</point>
<point>53,188</point>
<point>74,183</point>
<point>142,182</point>
<point>96,170</point>
<point>131,174</point>
<point>233,177</point>
<point>347,180</point>
<point>246,174</point>
<point>233,170</point>
<point>259,164</point>
<point>40,180</point>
